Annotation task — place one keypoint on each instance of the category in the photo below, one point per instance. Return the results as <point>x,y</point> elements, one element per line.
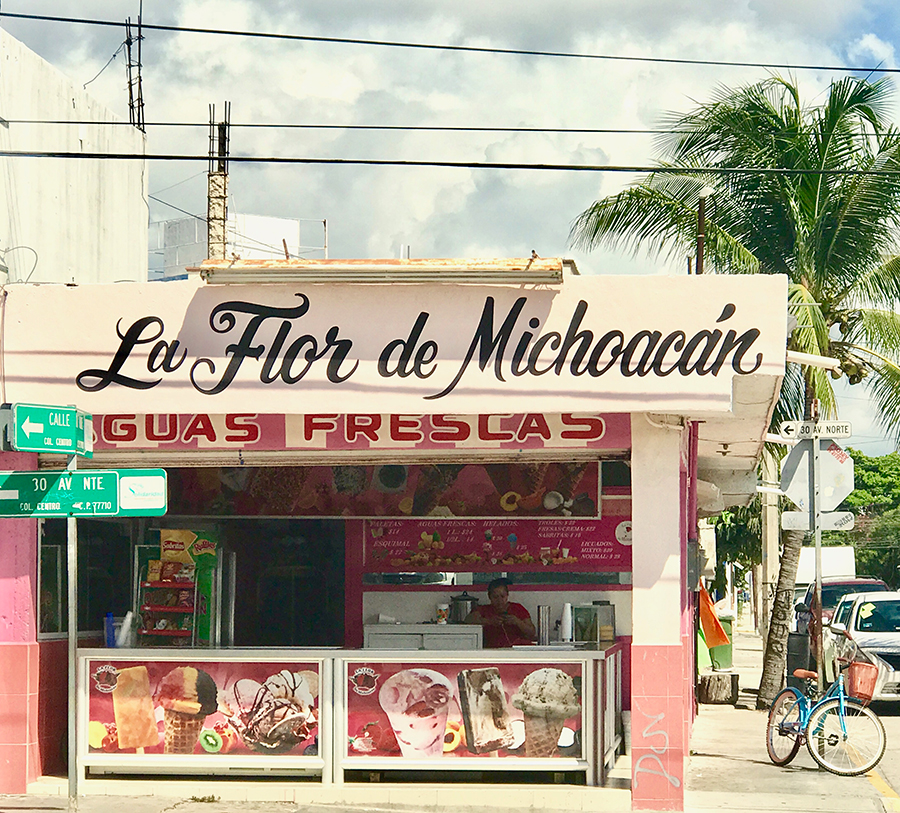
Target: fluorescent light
<point>272,272</point>
<point>811,360</point>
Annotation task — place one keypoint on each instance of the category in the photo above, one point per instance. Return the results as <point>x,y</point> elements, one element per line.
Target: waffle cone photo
<point>181,731</point>
<point>542,736</point>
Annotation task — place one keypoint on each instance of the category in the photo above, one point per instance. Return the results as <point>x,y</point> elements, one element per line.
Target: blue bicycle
<point>842,735</point>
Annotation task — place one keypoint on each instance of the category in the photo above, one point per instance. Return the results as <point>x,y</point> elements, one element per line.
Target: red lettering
<point>112,424</point>
<point>318,423</point>
<point>199,426</point>
<point>534,424</point>
<point>244,430</point>
<point>171,432</point>
<point>367,425</point>
<point>485,432</point>
<point>460,430</point>
<point>399,426</point>
<point>595,428</point>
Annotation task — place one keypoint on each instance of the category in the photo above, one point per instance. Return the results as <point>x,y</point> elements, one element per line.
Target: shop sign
<point>346,433</point>
<point>208,711</point>
<point>485,545</point>
<point>464,710</point>
<point>618,343</point>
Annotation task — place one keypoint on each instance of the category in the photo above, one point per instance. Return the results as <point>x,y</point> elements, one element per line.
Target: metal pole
<point>701,228</point>
<point>72,630</point>
<point>816,525</point>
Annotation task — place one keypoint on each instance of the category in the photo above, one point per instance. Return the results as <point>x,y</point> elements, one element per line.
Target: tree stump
<point>719,687</point>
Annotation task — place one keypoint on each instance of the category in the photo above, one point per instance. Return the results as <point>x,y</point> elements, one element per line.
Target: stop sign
<point>835,474</point>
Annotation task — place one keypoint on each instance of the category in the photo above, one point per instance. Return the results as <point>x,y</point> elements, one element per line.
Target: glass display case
<point>594,624</point>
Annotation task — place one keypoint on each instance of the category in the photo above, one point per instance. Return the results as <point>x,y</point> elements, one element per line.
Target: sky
<point>445,212</point>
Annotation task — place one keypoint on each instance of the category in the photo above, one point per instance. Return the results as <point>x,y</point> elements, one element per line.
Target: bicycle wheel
<point>784,726</point>
<point>850,754</point>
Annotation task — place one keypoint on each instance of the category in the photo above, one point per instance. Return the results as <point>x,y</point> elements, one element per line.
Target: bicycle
<point>841,734</point>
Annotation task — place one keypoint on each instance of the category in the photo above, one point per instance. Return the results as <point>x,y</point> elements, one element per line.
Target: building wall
<point>19,654</point>
<point>75,220</point>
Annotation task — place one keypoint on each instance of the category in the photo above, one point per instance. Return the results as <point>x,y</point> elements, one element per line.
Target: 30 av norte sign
<point>803,430</point>
<point>116,493</point>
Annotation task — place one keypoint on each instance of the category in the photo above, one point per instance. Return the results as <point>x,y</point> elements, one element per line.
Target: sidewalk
<point>730,769</point>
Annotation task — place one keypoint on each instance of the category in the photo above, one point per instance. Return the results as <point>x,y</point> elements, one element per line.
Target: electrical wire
<point>453,48</point>
<point>387,162</point>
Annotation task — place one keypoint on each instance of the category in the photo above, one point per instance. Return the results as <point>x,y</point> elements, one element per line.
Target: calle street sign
<point>804,430</point>
<point>83,493</point>
<point>829,521</point>
<point>57,429</point>
<point>835,475</point>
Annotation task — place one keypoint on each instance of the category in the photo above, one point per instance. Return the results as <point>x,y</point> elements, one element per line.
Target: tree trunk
<point>775,656</point>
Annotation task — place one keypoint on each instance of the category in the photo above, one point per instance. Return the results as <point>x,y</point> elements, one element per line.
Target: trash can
<point>798,657</point>
<point>721,656</point>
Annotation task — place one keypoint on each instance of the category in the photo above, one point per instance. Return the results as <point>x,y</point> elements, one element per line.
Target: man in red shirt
<point>504,622</point>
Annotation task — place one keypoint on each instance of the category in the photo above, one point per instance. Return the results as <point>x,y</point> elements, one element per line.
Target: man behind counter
<point>505,623</point>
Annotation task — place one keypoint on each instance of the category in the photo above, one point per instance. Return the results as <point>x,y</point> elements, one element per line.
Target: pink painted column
<point>658,703</point>
<point>19,653</point>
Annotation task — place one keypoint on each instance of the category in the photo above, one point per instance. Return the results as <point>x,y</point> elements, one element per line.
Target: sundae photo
<point>416,702</point>
<point>274,716</point>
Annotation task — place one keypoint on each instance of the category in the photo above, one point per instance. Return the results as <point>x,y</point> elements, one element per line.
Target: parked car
<point>834,588</point>
<point>872,625</point>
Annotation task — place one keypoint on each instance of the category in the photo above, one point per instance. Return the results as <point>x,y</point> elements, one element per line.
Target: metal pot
<point>461,606</point>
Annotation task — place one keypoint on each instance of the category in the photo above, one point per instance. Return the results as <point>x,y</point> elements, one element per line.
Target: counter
<point>326,712</point>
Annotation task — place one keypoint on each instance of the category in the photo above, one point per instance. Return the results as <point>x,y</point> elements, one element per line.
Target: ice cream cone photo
<point>182,731</point>
<point>547,697</point>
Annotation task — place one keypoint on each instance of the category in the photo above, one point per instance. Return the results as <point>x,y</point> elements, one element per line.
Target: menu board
<point>205,708</point>
<point>514,545</point>
<point>443,711</point>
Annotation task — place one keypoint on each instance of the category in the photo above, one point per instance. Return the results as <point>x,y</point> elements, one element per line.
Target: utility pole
<point>701,226</point>
<point>217,184</point>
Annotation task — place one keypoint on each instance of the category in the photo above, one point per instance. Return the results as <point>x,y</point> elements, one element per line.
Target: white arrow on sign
<point>828,521</point>
<point>29,426</point>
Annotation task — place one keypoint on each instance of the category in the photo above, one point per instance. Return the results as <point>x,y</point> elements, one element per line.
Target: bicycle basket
<point>861,679</point>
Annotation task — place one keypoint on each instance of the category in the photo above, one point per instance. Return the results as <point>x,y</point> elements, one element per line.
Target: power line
<point>404,127</point>
<point>386,162</point>
<point>456,48</point>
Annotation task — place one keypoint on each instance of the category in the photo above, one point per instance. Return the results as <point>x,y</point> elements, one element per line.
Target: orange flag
<point>713,631</point>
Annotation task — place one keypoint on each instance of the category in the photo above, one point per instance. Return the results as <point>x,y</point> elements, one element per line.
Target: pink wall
<point>19,657</point>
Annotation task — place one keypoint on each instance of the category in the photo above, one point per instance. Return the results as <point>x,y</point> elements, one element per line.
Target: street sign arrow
<point>829,521</point>
<point>28,426</point>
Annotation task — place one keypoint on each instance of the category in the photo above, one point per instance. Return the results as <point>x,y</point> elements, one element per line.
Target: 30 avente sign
<point>656,344</point>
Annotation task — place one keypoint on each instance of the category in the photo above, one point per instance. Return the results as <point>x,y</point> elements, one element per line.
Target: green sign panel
<point>85,493</point>
<point>58,429</point>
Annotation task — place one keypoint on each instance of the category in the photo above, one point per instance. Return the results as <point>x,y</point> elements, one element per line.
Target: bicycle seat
<point>804,673</point>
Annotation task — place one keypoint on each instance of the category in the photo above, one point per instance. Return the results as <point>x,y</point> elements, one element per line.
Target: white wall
<point>82,220</point>
<point>416,607</point>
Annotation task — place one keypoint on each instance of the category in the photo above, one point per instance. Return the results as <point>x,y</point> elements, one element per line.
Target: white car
<point>871,623</point>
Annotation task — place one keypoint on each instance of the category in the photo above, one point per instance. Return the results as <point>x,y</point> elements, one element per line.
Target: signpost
<point>83,493</point>
<point>817,475</point>
<point>56,429</point>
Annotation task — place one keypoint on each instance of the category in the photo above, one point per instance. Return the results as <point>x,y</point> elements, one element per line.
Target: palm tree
<point>812,192</point>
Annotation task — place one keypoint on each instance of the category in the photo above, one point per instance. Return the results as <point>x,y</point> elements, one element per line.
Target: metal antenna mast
<point>217,184</point>
<point>135,92</point>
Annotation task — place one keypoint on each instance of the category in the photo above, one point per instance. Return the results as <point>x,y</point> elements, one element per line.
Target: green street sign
<point>57,429</point>
<point>83,493</point>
